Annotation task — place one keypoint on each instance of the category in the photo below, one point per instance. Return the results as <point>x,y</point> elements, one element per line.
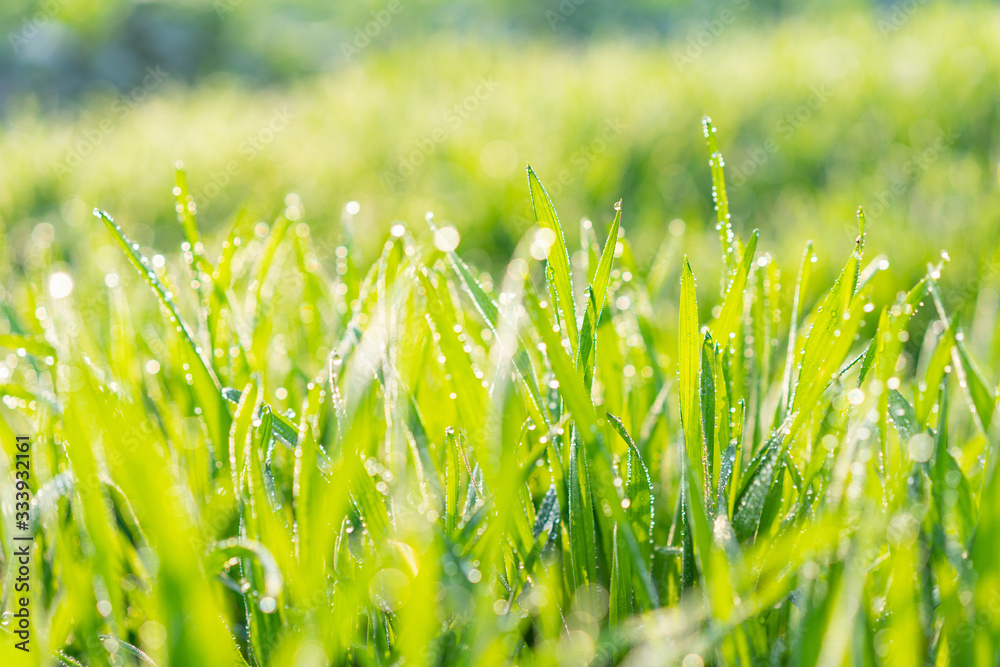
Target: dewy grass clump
<point>589,461</point>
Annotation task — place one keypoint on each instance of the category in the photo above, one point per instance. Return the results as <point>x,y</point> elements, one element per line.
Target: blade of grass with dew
<point>310,541</point>
<point>204,380</point>
<point>468,389</point>
<point>834,322</point>
<point>709,410</point>
<point>620,592</point>
<point>558,259</point>
<point>640,503</point>
<point>731,250</point>
<point>583,555</point>
<point>689,369</point>
<point>724,327</point>
<point>926,393</point>
<point>588,340</point>
<point>884,353</point>
<point>139,464</point>
<point>600,475</point>
<point>602,277</point>
<point>801,283</point>
<point>696,470</point>
<point>490,313</point>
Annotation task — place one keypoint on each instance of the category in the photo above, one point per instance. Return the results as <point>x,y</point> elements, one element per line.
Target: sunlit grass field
<point>733,411</point>
<point>242,456</point>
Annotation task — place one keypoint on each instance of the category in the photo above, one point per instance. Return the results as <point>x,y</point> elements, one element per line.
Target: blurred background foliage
<point>406,107</point>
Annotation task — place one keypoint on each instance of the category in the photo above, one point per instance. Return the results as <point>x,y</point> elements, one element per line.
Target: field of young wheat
<point>241,455</point>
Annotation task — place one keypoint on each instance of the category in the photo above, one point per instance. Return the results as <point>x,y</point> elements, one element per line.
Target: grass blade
<point>558,259</point>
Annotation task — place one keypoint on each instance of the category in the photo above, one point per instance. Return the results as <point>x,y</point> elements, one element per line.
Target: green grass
<point>241,456</point>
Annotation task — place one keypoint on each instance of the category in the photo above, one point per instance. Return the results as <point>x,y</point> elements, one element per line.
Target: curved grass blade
<point>128,648</point>
<point>223,550</point>
<point>165,296</point>
<point>638,487</point>
<point>491,315</point>
<point>203,378</point>
<point>258,565</point>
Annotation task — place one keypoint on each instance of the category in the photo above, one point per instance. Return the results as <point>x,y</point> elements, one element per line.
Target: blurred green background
<point>406,107</point>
